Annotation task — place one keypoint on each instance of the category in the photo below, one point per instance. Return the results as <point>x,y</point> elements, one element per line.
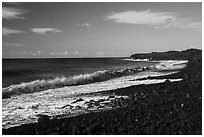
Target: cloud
<point>154,19</point>
<point>182,23</point>
<point>14,44</point>
<point>141,17</point>
<point>36,53</point>
<point>23,53</point>
<point>75,53</point>
<point>84,25</point>
<point>44,31</point>
<point>13,13</point>
<point>58,53</point>
<point>7,31</point>
<point>99,53</point>
<point>11,52</point>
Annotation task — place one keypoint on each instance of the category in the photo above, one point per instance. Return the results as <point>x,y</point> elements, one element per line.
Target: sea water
<point>44,86</point>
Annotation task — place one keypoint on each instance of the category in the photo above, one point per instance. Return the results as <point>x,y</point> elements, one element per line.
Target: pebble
<point>93,128</point>
<point>187,95</point>
<point>182,114</point>
<point>167,81</point>
<point>20,108</point>
<point>121,129</point>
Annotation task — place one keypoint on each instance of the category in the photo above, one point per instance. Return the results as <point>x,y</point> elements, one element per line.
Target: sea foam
<point>23,109</point>
<point>41,85</point>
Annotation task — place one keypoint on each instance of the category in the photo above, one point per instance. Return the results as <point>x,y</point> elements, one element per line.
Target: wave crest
<point>41,85</point>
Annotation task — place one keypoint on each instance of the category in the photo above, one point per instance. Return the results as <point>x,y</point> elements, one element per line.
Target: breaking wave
<point>41,85</point>
<point>131,59</point>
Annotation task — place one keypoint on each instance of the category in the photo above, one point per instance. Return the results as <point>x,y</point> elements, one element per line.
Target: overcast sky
<point>98,29</point>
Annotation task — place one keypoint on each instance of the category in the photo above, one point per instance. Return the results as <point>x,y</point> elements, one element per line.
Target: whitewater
<point>40,85</point>
<point>24,102</point>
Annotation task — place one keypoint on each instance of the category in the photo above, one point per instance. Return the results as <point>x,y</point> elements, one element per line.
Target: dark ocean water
<point>16,71</point>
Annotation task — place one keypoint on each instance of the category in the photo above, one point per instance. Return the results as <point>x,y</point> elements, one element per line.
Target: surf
<point>59,82</point>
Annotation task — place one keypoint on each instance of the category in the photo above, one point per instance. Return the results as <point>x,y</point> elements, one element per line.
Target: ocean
<point>32,87</point>
<point>17,71</point>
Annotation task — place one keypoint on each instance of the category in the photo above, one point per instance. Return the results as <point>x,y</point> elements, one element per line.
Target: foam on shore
<point>165,64</point>
<point>171,65</point>
<point>25,108</point>
<point>131,59</point>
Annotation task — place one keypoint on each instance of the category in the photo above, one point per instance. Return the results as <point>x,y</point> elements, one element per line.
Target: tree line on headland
<point>169,55</point>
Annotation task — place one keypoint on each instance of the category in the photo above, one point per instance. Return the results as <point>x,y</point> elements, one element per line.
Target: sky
<point>88,29</point>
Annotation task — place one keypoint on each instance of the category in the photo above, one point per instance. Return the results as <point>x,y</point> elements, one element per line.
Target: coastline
<point>164,108</point>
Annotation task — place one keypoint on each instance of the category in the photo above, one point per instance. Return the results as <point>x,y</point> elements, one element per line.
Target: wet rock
<point>78,107</point>
<point>87,102</point>
<point>111,97</point>
<point>90,103</point>
<point>96,103</point>
<point>100,106</point>
<point>35,106</point>
<point>78,100</point>
<point>43,119</point>
<point>101,100</point>
<point>167,82</point>
<point>20,108</point>
<point>122,98</point>
<point>66,106</point>
<point>91,100</point>
<point>120,101</point>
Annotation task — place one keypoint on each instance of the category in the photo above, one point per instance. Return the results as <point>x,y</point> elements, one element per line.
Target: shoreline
<point>29,107</point>
<point>164,108</point>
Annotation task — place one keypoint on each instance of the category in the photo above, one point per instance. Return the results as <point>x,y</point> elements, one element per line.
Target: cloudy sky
<point>98,29</point>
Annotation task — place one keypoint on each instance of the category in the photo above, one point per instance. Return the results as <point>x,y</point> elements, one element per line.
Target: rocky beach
<point>171,107</point>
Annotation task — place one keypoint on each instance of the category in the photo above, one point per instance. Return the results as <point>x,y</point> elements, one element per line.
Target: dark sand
<point>165,108</point>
